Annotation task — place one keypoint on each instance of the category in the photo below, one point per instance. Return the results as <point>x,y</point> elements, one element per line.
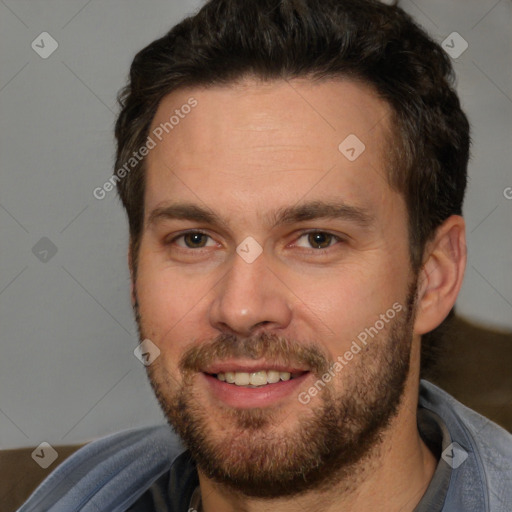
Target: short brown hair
<point>365,40</point>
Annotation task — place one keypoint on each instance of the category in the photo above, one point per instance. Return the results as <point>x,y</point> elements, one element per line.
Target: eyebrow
<point>282,216</point>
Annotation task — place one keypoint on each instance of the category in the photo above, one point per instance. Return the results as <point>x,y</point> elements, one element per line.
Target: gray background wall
<point>67,369</point>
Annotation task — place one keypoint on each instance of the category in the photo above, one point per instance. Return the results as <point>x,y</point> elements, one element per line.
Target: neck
<point>393,477</point>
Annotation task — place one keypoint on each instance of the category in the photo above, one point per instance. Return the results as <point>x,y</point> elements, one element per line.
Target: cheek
<point>160,302</point>
<point>172,307</point>
<point>164,294</point>
<point>341,305</point>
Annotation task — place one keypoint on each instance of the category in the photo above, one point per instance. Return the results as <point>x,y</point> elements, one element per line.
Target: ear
<point>441,275</point>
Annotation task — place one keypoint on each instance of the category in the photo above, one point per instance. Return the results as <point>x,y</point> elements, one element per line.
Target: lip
<point>250,367</point>
<point>247,398</point>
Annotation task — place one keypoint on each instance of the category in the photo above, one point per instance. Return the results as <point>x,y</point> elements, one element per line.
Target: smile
<point>255,379</point>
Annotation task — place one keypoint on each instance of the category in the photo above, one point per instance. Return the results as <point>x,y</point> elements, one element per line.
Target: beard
<point>252,451</point>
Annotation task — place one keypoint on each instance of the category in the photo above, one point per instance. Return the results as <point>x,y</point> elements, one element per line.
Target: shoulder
<point>109,472</point>
<point>488,447</point>
<point>484,431</point>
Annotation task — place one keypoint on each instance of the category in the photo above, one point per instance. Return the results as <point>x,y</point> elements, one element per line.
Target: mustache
<point>268,346</point>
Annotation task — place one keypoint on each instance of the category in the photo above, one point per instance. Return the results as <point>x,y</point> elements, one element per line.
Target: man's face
<point>302,263</point>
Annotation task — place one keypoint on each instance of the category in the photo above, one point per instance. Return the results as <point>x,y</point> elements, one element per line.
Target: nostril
<point>265,322</point>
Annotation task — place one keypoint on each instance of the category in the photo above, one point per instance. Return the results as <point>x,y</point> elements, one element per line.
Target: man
<point>293,173</point>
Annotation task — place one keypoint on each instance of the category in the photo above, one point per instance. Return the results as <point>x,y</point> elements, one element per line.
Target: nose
<point>250,297</point>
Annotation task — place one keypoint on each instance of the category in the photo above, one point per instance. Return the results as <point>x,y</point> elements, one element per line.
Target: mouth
<point>253,384</point>
<point>256,379</point>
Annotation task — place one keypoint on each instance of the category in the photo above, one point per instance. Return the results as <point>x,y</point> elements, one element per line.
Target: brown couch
<point>20,475</point>
<point>476,369</point>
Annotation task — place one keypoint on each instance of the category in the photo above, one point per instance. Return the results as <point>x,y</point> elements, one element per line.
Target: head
<point>264,94</point>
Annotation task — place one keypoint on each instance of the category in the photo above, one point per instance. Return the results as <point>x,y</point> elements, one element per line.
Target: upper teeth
<point>254,378</point>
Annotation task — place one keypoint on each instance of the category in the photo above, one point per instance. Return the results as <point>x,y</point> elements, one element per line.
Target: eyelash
<point>317,251</point>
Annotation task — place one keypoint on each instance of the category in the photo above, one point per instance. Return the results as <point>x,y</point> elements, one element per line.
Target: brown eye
<point>319,239</point>
<point>195,240</point>
<point>318,243</point>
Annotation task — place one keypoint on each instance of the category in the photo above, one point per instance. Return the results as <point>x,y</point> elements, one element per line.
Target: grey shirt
<point>435,434</point>
<point>148,469</point>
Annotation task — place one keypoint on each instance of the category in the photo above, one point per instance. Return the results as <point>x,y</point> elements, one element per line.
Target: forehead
<point>267,141</point>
